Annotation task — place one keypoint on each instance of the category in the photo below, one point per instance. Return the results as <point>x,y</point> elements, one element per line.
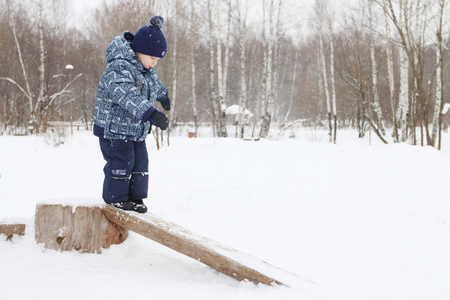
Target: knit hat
<point>150,40</point>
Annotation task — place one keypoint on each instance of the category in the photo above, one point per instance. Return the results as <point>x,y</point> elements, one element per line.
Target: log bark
<point>81,228</point>
<point>11,229</point>
<point>224,259</point>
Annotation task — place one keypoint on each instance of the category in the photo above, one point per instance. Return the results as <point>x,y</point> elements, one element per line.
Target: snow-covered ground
<point>351,221</point>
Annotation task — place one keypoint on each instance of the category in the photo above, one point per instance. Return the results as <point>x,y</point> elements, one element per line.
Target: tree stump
<point>81,228</point>
<point>11,229</point>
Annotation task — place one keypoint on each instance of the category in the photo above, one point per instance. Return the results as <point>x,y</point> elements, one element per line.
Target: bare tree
<point>412,39</point>
<point>376,97</point>
<point>242,19</point>
<point>27,93</point>
<point>220,87</point>
<point>41,108</point>
<point>333,85</point>
<point>390,67</point>
<point>271,73</point>
<point>439,103</point>
<point>268,103</point>
<point>174,72</point>
<point>215,94</point>
<point>227,51</point>
<point>320,14</point>
<point>294,77</point>
<point>193,69</point>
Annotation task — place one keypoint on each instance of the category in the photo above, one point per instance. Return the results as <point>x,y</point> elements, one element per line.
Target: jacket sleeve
<point>122,90</point>
<point>162,93</point>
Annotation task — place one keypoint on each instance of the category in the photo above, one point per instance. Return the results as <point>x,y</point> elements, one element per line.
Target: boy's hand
<point>166,103</point>
<point>159,119</point>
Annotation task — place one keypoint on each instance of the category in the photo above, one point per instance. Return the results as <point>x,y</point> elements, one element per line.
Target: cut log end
<point>81,228</point>
<point>9,230</point>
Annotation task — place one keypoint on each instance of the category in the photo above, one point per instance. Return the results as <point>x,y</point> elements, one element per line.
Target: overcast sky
<point>297,13</point>
<point>82,7</point>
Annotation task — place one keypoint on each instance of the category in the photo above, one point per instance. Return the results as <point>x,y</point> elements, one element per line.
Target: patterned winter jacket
<point>126,94</point>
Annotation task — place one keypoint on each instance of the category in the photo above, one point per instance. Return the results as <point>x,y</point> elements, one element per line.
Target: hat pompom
<point>157,21</point>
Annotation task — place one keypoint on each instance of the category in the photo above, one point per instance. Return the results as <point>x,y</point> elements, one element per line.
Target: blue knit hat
<point>150,40</point>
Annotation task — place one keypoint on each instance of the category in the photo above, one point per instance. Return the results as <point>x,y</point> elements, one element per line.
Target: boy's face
<point>147,61</point>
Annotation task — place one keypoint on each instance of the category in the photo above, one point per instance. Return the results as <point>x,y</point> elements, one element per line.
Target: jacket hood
<point>120,48</point>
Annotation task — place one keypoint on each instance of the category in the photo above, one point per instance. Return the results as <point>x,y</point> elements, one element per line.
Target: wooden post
<point>219,257</point>
<point>82,228</point>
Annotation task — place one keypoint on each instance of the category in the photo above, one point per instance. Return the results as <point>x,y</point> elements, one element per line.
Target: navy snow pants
<point>126,170</point>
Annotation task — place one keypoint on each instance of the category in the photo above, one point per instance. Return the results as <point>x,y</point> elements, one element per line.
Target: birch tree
<point>193,69</point>
<point>402,108</point>
<point>268,103</point>
<point>40,108</point>
<point>412,39</point>
<point>333,85</point>
<point>212,76</point>
<point>221,99</point>
<point>261,101</point>
<point>279,69</point>
<point>174,79</point>
<point>243,94</point>
<point>27,91</point>
<point>437,117</point>
<point>325,84</point>
<point>227,51</point>
<point>376,97</point>
<point>390,67</point>
<point>294,77</point>
<point>320,19</point>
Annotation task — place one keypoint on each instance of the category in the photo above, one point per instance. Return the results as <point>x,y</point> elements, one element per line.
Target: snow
<point>234,110</point>
<point>445,108</point>
<point>356,220</point>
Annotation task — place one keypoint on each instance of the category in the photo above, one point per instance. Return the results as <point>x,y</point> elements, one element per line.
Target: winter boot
<point>139,206</point>
<point>126,205</point>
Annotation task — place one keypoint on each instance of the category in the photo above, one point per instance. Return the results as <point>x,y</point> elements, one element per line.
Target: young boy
<point>125,112</point>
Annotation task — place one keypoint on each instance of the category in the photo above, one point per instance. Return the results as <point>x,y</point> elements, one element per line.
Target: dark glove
<point>166,103</point>
<point>159,119</point>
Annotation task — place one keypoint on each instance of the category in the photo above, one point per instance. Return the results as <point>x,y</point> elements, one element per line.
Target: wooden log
<point>219,257</point>
<point>9,230</point>
<point>81,228</point>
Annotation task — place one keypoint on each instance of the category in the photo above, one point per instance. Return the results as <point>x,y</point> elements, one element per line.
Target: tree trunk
<point>227,53</point>
<point>390,75</point>
<point>173,98</point>
<point>221,100</point>
<point>194,97</point>
<point>215,108</point>
<point>325,82</point>
<point>437,118</point>
<point>376,98</point>
<point>291,100</point>
<point>333,87</point>
<point>40,109</point>
<point>243,95</point>
<point>438,102</point>
<point>81,228</point>
<point>262,100</point>
<point>268,104</point>
<point>402,108</point>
